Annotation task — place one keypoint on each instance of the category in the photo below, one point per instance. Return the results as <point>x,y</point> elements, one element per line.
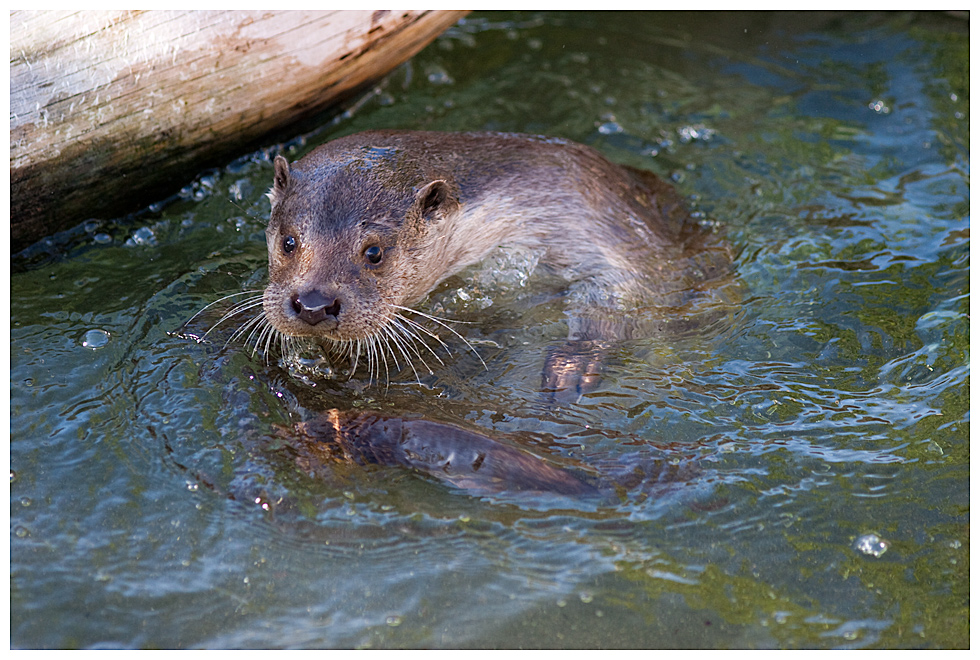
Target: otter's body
<point>367,225</point>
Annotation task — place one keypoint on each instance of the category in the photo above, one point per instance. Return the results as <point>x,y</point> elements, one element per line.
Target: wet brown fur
<point>435,203</point>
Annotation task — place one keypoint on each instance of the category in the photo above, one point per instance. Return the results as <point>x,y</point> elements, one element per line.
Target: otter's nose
<point>315,307</point>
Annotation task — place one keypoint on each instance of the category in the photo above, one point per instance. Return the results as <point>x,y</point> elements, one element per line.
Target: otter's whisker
<point>407,337</point>
<point>375,371</point>
<point>256,320</point>
<point>411,340</point>
<point>238,308</point>
<point>379,353</point>
<point>365,348</point>
<point>386,349</point>
<point>362,348</point>
<point>268,339</point>
<point>262,332</point>
<point>256,327</point>
<point>421,328</point>
<point>415,338</point>
<point>220,300</point>
<point>436,319</point>
<point>399,342</point>
<point>383,359</point>
<point>353,354</point>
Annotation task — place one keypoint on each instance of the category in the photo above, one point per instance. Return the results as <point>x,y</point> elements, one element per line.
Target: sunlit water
<point>820,432</point>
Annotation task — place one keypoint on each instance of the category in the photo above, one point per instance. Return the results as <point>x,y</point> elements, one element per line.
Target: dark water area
<point>816,443</point>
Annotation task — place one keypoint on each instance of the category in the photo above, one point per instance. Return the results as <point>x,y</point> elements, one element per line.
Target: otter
<point>365,226</point>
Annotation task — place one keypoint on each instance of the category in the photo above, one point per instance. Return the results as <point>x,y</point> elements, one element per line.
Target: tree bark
<point>110,110</point>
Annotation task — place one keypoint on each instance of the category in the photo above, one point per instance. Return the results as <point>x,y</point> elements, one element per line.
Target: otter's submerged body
<point>367,225</point>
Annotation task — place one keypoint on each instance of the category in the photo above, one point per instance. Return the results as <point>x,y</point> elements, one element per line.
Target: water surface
<point>156,500</point>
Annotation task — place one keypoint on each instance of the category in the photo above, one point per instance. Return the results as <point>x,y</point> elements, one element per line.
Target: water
<point>156,495</point>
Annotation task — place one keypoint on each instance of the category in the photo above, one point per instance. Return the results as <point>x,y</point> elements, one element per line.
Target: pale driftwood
<point>110,110</point>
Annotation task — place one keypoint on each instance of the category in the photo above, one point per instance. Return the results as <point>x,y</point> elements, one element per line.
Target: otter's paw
<point>573,370</point>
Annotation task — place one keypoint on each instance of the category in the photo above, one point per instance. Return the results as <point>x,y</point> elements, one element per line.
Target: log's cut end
<point>108,109</point>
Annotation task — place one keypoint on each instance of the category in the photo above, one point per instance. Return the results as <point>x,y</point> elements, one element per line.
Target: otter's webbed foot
<point>573,370</point>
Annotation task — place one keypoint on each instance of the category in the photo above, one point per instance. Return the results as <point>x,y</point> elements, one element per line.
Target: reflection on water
<point>794,475</point>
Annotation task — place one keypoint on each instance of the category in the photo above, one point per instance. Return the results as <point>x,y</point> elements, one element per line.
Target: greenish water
<point>156,502</point>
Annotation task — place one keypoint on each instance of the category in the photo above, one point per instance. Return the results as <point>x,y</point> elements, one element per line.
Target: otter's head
<point>351,239</point>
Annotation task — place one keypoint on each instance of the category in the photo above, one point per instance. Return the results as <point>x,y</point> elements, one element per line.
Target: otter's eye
<point>288,244</point>
<point>373,254</point>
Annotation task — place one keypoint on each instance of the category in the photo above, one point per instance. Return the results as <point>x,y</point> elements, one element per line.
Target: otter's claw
<point>573,370</point>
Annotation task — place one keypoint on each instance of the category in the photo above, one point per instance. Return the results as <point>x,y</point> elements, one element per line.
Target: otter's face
<point>345,249</point>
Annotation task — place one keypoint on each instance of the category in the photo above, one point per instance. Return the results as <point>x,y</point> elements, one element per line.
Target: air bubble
<point>95,339</point>
<point>142,236</point>
<point>696,132</point>
<point>879,106</point>
<point>439,76</point>
<point>871,545</point>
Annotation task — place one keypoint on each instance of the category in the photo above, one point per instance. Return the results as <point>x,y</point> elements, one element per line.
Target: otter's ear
<point>280,180</point>
<point>435,200</point>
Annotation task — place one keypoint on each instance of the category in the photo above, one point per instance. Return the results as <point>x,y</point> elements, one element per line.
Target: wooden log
<point>111,110</point>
